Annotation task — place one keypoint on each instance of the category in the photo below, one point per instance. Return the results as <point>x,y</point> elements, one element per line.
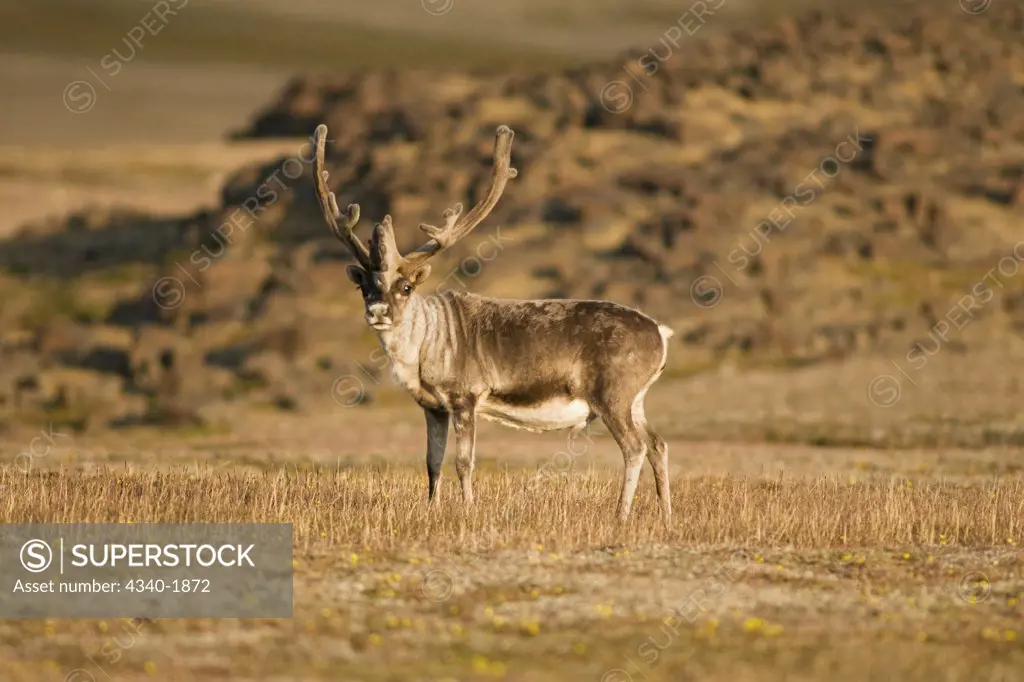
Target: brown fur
<point>536,365</point>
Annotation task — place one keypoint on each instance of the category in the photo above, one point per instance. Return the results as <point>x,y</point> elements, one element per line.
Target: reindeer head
<point>386,278</point>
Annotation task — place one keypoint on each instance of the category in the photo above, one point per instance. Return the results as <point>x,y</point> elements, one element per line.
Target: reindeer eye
<point>407,289</point>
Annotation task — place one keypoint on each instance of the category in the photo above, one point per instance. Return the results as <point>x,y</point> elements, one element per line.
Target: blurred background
<point>824,201</point>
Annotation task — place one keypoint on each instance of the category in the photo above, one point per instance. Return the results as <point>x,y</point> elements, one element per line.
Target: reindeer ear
<point>419,275</point>
<point>356,274</point>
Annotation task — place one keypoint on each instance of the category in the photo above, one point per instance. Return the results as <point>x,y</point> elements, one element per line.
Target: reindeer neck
<point>428,330</point>
<point>402,343</point>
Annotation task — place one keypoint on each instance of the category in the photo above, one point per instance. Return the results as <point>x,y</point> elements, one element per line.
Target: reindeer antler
<point>456,226</point>
<point>329,204</point>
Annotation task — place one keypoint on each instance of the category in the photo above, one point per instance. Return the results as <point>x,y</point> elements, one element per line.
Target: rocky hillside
<point>820,187</point>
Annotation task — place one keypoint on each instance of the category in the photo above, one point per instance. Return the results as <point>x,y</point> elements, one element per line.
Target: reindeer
<point>536,365</point>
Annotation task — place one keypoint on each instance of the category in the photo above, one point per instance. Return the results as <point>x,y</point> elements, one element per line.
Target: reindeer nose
<point>377,309</point>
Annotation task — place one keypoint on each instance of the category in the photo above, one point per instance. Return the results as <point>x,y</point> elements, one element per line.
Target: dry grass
<point>825,579</point>
<point>385,509</point>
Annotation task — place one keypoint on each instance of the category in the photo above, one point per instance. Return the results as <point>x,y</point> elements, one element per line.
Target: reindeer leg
<point>437,441</point>
<point>657,455</point>
<point>464,421</point>
<point>633,443</point>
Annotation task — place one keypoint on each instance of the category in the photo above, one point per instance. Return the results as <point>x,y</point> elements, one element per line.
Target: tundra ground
<point>879,565</point>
